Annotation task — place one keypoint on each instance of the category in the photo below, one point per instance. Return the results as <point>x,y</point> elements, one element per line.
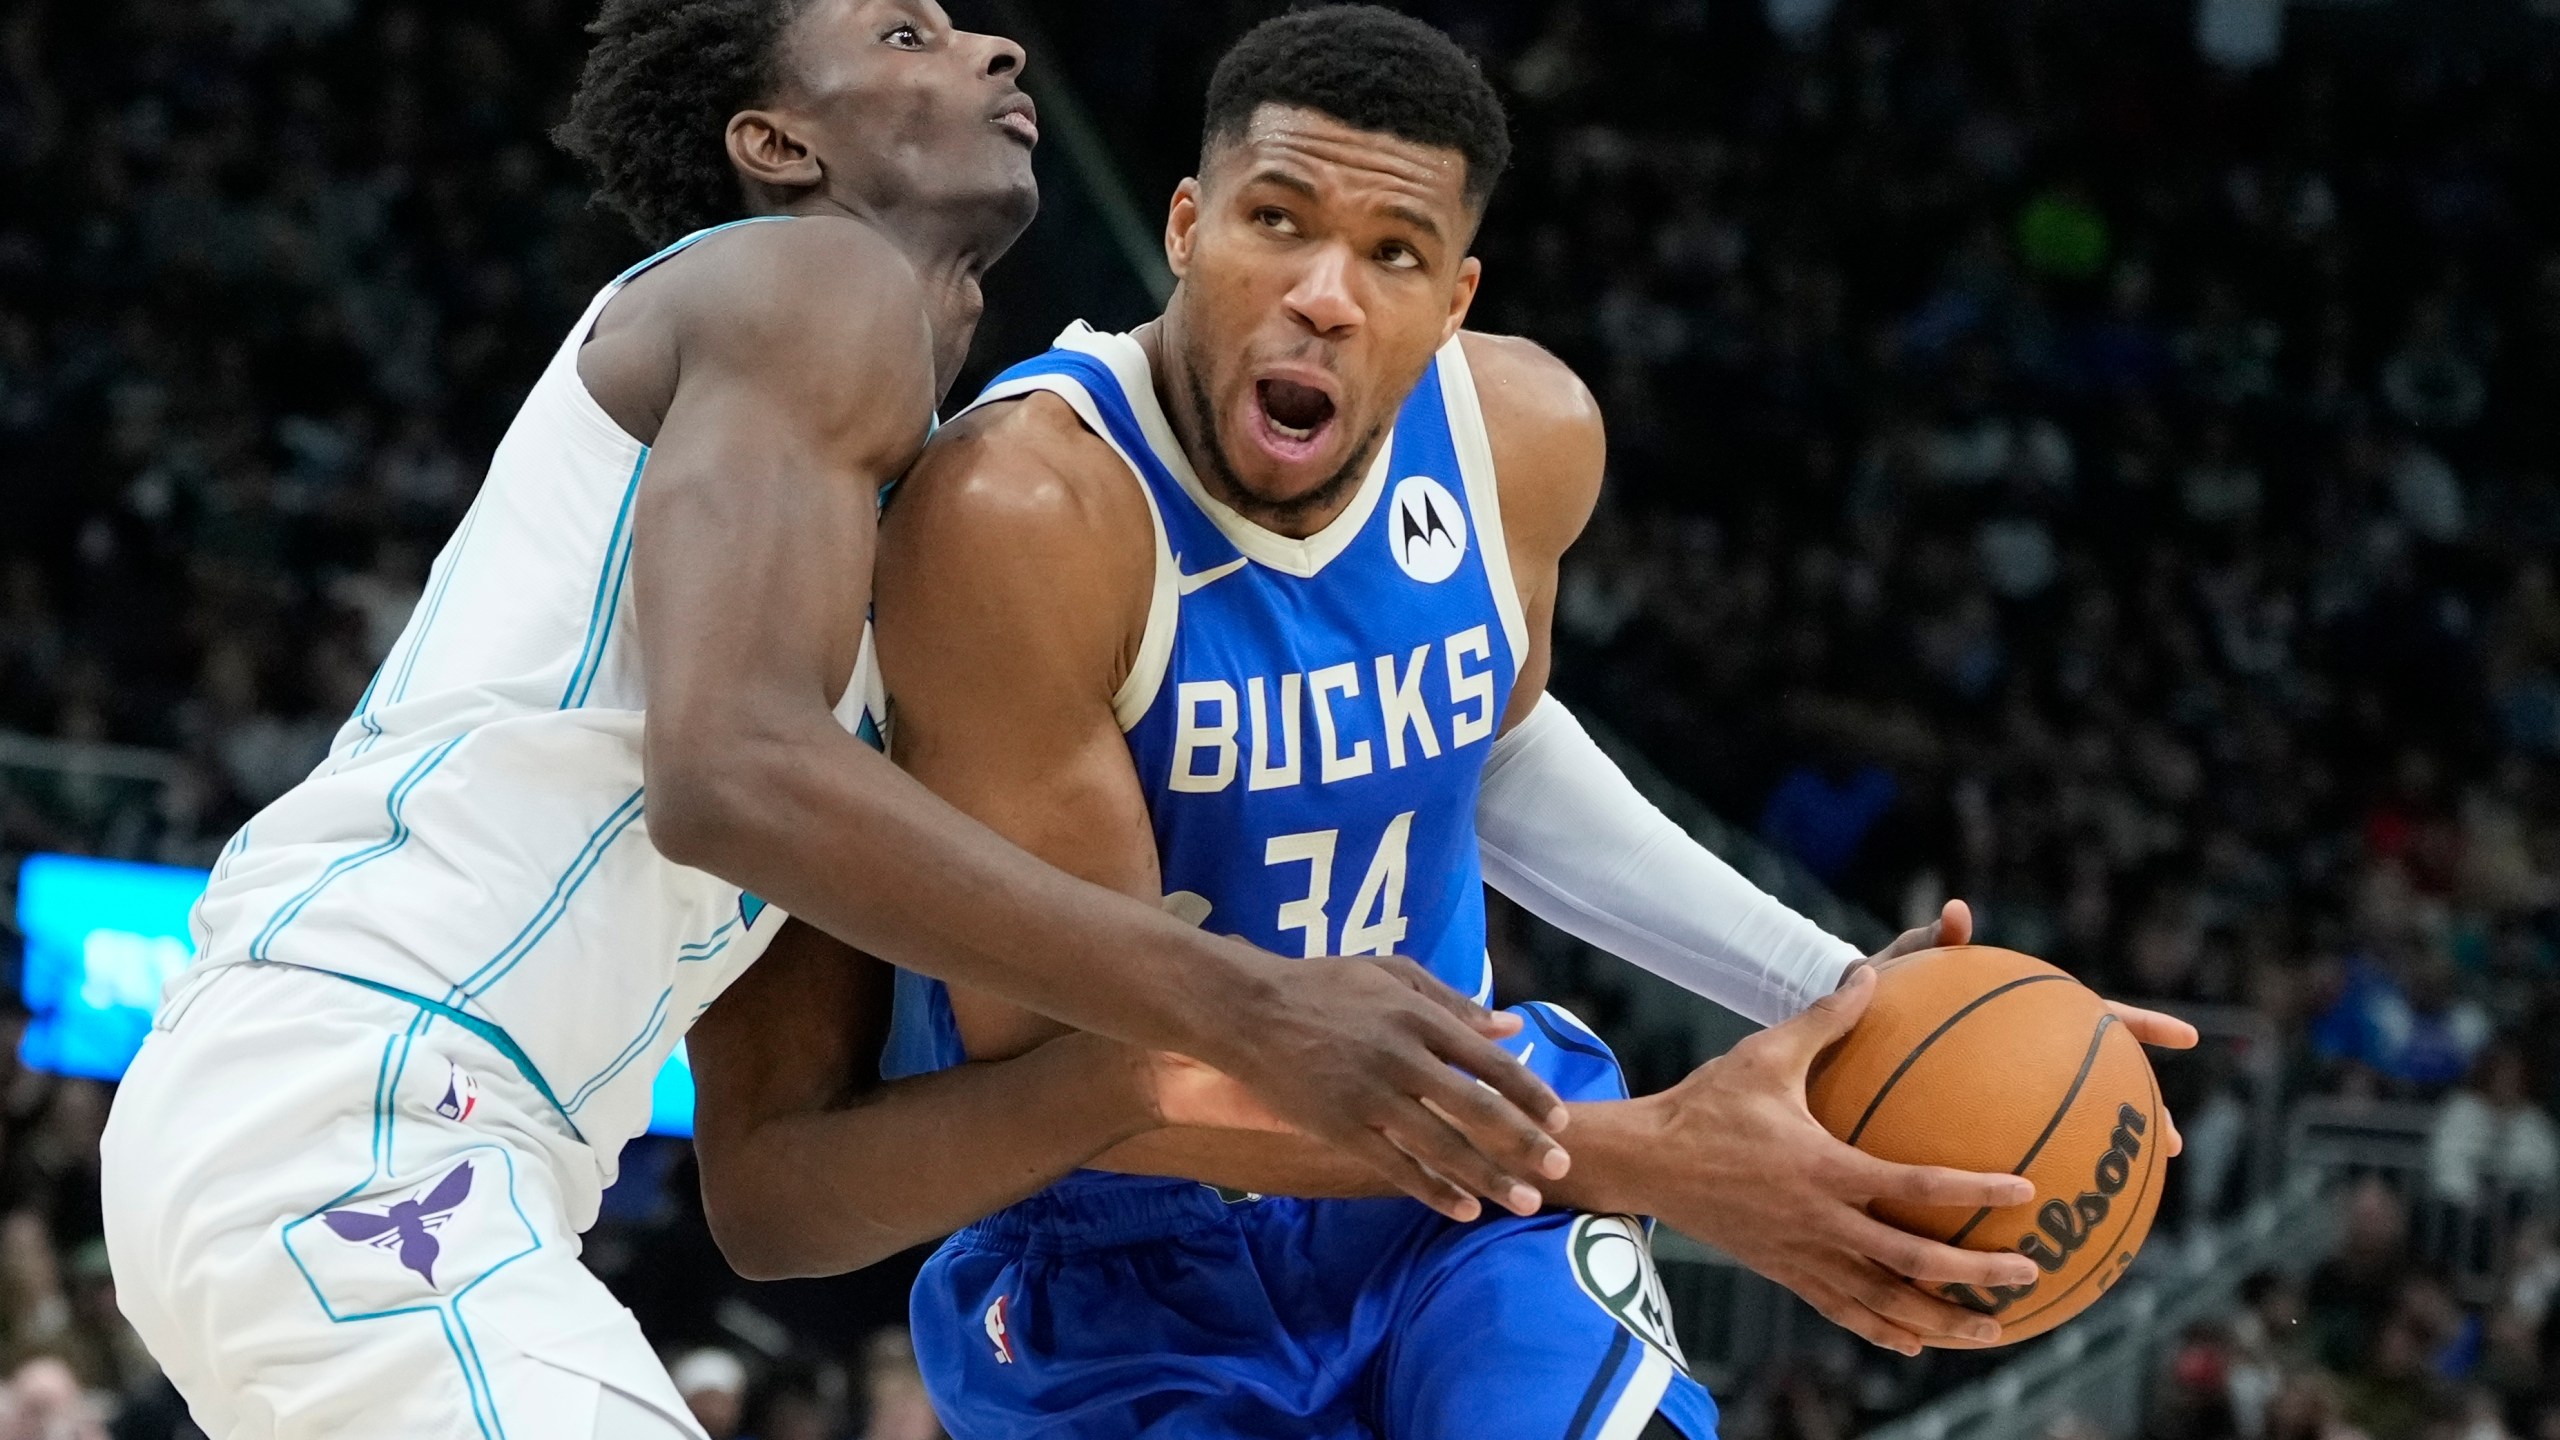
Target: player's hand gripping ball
<point>1988,1060</point>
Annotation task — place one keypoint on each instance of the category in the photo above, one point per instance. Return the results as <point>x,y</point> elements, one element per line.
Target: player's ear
<point>1181,223</point>
<point>1462,296</point>
<point>769,155</point>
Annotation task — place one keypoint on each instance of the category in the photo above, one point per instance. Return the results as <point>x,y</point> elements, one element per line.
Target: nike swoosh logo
<point>1206,577</point>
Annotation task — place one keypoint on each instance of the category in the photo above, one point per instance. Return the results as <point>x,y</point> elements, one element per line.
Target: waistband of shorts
<point>1092,1211</point>
<point>174,1012</point>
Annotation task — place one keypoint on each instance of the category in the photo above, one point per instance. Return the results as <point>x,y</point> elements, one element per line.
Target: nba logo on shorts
<point>998,1334</point>
<point>461,1094</point>
<point>1426,529</point>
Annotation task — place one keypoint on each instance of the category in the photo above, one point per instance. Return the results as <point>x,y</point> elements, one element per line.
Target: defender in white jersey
<point>345,1177</point>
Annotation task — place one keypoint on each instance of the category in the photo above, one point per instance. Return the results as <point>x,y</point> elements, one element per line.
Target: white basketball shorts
<point>333,1213</point>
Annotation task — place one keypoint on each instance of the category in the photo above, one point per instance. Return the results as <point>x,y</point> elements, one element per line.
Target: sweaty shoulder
<point>1039,510</point>
<point>1550,447</point>
<point>822,314</point>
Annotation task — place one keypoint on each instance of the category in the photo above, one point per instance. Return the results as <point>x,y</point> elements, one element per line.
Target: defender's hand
<point>1375,1058</point>
<point>1756,1176</point>
<point>1955,927</point>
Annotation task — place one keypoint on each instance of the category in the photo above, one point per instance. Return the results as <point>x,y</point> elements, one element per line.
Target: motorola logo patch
<point>1426,529</point>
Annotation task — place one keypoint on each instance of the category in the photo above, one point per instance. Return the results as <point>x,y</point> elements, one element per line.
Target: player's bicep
<point>753,520</point>
<point>1002,607</point>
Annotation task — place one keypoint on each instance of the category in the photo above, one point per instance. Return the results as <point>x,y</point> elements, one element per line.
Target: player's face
<point>912,111</point>
<point>1321,267</point>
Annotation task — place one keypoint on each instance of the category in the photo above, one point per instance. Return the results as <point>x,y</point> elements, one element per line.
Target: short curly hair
<point>651,116</point>
<point>1372,69</point>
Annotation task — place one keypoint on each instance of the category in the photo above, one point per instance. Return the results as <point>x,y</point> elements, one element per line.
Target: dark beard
<point>1224,483</point>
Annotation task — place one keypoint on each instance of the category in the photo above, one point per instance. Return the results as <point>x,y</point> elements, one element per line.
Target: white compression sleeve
<point>1567,835</point>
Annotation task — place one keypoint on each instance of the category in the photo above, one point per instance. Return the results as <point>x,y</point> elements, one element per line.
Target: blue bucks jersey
<point>1309,718</point>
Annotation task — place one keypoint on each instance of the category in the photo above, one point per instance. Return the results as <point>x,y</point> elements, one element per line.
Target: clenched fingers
<point>1382,1155</point>
<point>1927,1316</point>
<point>1514,1110</point>
<point>1845,1310</point>
<point>1932,1263</point>
<point>1422,1130</point>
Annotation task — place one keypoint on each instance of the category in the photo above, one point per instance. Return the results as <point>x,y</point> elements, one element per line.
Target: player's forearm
<point>1565,834</point>
<point>820,824</point>
<point>825,1192</point>
<point>1618,1161</point>
<point>1256,1161</point>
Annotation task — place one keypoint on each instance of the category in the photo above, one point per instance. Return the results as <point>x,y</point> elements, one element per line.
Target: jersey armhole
<point>1138,689</point>
<point>1474,449</point>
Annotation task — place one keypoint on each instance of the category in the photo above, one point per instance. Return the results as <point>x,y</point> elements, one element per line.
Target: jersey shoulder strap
<point>1079,372</point>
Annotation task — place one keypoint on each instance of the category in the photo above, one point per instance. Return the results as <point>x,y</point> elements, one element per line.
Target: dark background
<point>2048,468</point>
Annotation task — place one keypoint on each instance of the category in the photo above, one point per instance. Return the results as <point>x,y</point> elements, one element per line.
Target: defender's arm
<point>812,1166</point>
<point>784,373</point>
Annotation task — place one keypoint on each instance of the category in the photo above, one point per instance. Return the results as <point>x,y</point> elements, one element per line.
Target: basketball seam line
<point>2066,1294</point>
<point>2069,1098</point>
<point>1931,1039</point>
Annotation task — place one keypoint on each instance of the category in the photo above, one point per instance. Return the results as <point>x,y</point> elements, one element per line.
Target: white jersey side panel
<point>479,833</point>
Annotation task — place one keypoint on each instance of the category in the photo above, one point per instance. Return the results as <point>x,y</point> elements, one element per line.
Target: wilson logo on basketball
<point>2062,1229</point>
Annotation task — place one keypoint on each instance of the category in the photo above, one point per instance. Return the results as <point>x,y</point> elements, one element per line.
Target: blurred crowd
<point>2047,468</point>
<point>2377,1343</point>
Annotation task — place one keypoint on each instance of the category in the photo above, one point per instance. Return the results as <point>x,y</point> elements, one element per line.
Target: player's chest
<point>1324,687</point>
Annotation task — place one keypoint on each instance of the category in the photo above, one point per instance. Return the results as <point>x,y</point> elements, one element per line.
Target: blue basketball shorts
<point>1110,1307</point>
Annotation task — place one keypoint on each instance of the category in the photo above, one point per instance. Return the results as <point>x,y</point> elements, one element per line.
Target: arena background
<point>2099,459</point>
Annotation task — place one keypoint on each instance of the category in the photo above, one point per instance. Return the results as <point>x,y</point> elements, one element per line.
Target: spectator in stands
<point>2266,1345</point>
<point>894,1389</point>
<point>2309,1408</point>
<point>2352,1293</point>
<point>2192,1397</point>
<point>713,1383</point>
<point>2491,1139</point>
<point>43,1401</point>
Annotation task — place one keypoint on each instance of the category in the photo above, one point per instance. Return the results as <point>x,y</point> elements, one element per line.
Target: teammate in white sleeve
<point>345,1178</point>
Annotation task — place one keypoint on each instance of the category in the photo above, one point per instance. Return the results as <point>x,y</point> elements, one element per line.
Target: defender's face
<point>913,108</point>
<point>1321,267</point>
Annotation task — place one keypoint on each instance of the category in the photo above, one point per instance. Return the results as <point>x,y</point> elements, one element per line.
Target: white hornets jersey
<point>478,837</point>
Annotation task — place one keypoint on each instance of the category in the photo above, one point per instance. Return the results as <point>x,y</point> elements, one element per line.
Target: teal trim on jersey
<point>608,601</point>
<point>624,816</point>
<point>751,908</point>
<point>709,945</point>
<point>631,1052</point>
<point>435,605</point>
<point>399,836</point>
<point>497,1039</point>
<point>688,242</point>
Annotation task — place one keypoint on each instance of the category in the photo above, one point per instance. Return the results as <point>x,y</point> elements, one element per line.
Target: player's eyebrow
<point>1295,184</point>
<point>1416,219</point>
<point>1300,185</point>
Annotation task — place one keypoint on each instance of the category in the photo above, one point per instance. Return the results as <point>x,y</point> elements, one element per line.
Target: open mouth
<point>1296,415</point>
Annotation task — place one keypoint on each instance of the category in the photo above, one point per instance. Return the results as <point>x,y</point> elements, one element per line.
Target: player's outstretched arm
<point>1732,1156</point>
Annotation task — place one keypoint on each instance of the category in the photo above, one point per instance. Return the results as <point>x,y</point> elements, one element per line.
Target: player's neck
<point>951,255</point>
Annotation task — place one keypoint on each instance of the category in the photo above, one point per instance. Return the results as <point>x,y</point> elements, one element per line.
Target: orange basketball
<point>1992,1061</point>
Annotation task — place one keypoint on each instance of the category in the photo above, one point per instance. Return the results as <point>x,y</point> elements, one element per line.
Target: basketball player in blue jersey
<point>346,1175</point>
<point>1249,611</point>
